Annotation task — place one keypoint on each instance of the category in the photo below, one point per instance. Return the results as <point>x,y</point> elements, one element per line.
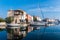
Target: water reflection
<point>3,34</point>
<point>16,33</point>
<point>48,33</point>
<point>32,33</point>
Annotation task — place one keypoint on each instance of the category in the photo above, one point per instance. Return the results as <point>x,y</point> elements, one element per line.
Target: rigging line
<point>40,10</point>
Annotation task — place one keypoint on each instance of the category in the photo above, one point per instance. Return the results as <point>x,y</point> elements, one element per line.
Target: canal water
<point>3,35</point>
<point>44,33</point>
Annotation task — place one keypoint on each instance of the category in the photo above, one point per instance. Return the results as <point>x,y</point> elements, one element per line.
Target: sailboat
<point>37,23</point>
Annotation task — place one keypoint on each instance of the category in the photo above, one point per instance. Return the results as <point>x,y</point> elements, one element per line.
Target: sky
<point>49,8</point>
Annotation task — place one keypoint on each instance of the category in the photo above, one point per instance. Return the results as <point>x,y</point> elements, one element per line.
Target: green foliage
<point>9,19</point>
<point>34,18</point>
<point>2,20</point>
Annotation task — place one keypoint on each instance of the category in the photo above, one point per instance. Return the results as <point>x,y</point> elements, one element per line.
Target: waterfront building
<point>19,15</point>
<point>48,20</point>
<point>37,18</point>
<point>51,20</point>
<point>10,13</point>
<point>29,18</point>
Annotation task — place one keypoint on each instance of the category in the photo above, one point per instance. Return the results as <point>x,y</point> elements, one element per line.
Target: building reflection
<point>18,32</point>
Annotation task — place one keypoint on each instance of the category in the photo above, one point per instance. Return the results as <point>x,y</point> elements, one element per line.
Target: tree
<point>34,18</point>
<point>2,20</point>
<point>9,19</point>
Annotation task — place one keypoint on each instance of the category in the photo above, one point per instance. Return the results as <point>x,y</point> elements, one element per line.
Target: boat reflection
<point>19,32</point>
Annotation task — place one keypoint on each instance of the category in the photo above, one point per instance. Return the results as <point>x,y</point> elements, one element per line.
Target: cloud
<point>36,9</point>
<point>47,9</point>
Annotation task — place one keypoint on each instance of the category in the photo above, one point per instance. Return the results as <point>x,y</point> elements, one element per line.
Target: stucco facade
<point>17,14</point>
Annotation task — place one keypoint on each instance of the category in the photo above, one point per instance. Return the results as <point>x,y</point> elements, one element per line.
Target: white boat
<point>16,25</point>
<point>37,23</point>
<point>13,25</point>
